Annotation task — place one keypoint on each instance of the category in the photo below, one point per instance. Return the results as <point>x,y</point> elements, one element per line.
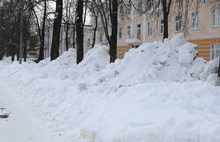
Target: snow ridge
<point>159,92</point>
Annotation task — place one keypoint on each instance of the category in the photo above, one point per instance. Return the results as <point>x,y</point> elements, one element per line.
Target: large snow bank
<point>159,92</point>
<point>171,61</point>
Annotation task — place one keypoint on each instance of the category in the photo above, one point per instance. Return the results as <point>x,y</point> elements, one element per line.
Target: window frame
<point>149,28</point>
<point>139,7</point>
<point>119,54</point>
<point>128,9</point>
<point>179,22</point>
<point>138,29</point>
<point>148,4</point>
<point>128,31</point>
<point>216,14</point>
<point>120,33</point>
<point>121,9</point>
<point>214,50</point>
<point>193,20</point>
<point>161,26</point>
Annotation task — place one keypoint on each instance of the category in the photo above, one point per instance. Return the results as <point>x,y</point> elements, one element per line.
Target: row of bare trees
<point>72,13</point>
<point>10,28</point>
<point>35,15</point>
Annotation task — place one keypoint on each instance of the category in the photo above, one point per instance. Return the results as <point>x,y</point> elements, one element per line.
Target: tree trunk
<point>1,56</point>
<point>67,36</point>
<point>18,53</point>
<point>41,56</point>
<point>74,32</point>
<point>12,57</point>
<point>79,31</point>
<point>56,30</point>
<point>67,25</point>
<point>25,50</point>
<point>166,10</point>
<point>94,32</point>
<point>114,19</point>
<point>165,19</point>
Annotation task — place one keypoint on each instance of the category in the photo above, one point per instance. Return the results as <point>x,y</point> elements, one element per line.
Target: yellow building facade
<point>142,21</point>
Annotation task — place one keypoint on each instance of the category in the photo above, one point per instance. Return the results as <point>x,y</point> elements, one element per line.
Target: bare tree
<point>79,31</point>
<point>10,27</point>
<point>69,15</point>
<point>42,34</point>
<point>92,9</point>
<point>56,30</point>
<point>108,12</point>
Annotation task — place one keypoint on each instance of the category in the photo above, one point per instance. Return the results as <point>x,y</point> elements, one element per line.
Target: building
<point>142,22</point>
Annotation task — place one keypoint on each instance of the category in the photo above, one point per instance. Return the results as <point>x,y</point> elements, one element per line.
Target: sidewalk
<point>21,125</point>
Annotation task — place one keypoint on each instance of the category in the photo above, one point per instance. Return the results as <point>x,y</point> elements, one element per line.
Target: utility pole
<point>21,31</point>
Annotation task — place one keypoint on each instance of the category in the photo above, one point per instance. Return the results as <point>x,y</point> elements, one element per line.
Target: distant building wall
<point>200,25</point>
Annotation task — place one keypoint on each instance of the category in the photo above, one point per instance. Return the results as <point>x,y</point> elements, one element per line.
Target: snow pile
<point>159,92</point>
<point>156,62</point>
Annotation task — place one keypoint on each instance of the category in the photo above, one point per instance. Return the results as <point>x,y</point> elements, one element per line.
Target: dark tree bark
<point>74,32</point>
<point>114,19</point>
<point>67,25</point>
<point>95,14</point>
<point>166,10</point>
<point>112,8</point>
<point>13,56</point>
<point>25,50</point>
<point>18,53</point>
<point>41,56</point>
<point>79,31</point>
<point>94,32</point>
<point>67,36</point>
<point>56,30</point>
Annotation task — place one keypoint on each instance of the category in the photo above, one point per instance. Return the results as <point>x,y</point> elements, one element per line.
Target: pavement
<point>18,123</point>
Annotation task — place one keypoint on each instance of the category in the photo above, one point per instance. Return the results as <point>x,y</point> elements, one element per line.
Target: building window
<point>216,17</point>
<point>195,20</point>
<point>121,10</point>
<point>139,7</point>
<point>128,31</point>
<point>129,9</point>
<point>100,38</point>
<point>215,52</point>
<point>178,21</point>
<point>149,28</point>
<point>139,31</point>
<point>161,26</point>
<point>120,33</point>
<point>119,53</point>
<point>149,4</point>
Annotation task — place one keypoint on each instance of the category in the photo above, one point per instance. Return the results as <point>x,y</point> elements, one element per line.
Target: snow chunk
<point>187,53</point>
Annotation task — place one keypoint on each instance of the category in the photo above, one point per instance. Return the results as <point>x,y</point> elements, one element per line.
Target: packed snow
<point>159,92</point>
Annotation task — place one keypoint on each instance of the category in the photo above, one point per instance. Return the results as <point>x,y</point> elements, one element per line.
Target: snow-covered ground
<point>158,93</point>
<point>21,125</point>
